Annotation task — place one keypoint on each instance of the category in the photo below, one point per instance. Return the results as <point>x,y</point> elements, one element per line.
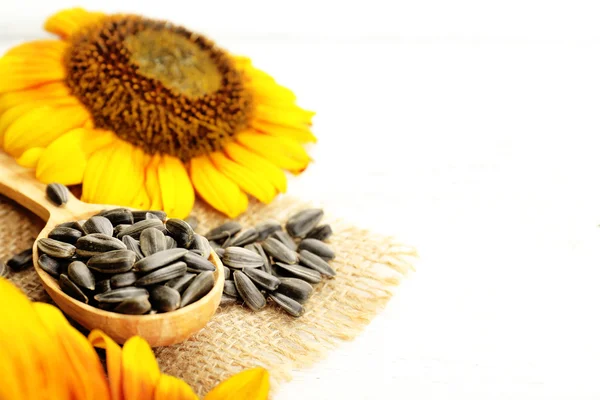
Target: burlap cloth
<point>368,268</point>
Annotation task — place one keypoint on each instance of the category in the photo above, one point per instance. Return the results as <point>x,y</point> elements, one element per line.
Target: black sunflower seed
<point>321,232</point>
<point>303,222</point>
<point>164,298</point>
<point>56,249</point>
<point>295,288</point>
<point>224,231</point>
<point>113,262</point>
<point>315,262</point>
<point>57,193</point>
<point>118,216</point>
<point>242,238</point>
<point>141,215</point>
<point>98,224</point>
<point>135,306</point>
<point>65,234</point>
<point>288,304</point>
<point>198,288</point>
<point>97,243</point>
<point>248,291</point>
<point>181,231</point>
<point>71,289</point>
<point>81,275</point>
<point>163,274</point>
<point>181,283</point>
<point>50,265</point>
<point>21,261</point>
<point>318,248</point>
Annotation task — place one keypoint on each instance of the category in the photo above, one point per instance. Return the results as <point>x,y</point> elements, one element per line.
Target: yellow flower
<point>42,357</point>
<point>142,113</point>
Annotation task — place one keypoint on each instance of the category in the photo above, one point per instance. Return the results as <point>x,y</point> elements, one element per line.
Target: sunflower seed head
<point>227,300</point>
<point>142,215</point>
<point>303,222</point>
<point>98,224</point>
<point>170,242</point>
<point>164,298</point>
<point>81,275</point>
<point>4,270</point>
<point>118,216</point>
<point>123,280</point>
<point>192,222</point>
<point>295,288</point>
<point>200,245</point>
<point>298,271</point>
<point>135,306</point>
<point>266,229</point>
<point>55,249</point>
<point>114,262</point>
<point>262,279</point>
<point>103,286</point>
<point>279,251</point>
<point>121,294</point>
<point>181,283</point>
<point>227,272</point>
<point>159,259</point>
<point>152,241</point>
<point>71,289</point>
<point>286,239</point>
<point>97,243</point>
<point>321,232</point>
<point>65,234</point>
<point>163,274</point>
<point>198,288</point>
<point>137,228</point>
<point>315,262</point>
<point>288,304</point>
<point>196,263</point>
<point>242,238</point>
<point>22,260</point>
<point>181,231</point>
<point>50,265</point>
<point>229,289</point>
<point>248,291</point>
<point>258,249</point>
<point>57,193</point>
<point>134,246</point>
<point>224,231</point>
<point>238,258</point>
<point>318,248</point>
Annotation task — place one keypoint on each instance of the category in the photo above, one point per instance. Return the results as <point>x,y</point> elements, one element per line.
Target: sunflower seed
<point>238,258</point>
<point>106,306</point>
<point>297,271</point>
<point>227,300</point>
<point>227,272</point>
<point>198,288</point>
<point>248,291</point>
<point>103,286</point>
<point>321,232</point>
<point>141,215</point>
<point>181,231</point>
<point>262,279</point>
<point>159,259</point>
<point>81,275</point>
<point>220,251</point>
<point>170,243</point>
<point>115,261</point>
<point>315,262</point>
<point>229,289</point>
<point>196,263</point>
<point>137,228</point>
<point>152,216</point>
<point>56,249</point>
<point>57,193</point>
<point>295,288</point>
<point>72,225</point>
<point>192,222</point>
<point>258,249</point>
<point>50,265</point>
<point>4,270</point>
<point>123,280</point>
<point>286,239</point>
<point>21,261</point>
<point>303,222</point>
<point>164,298</point>
<point>118,216</point>
<point>289,305</point>
<point>242,238</point>
<point>181,283</point>
<point>214,244</point>
<point>152,241</point>
<point>201,245</point>
<point>279,251</point>
<point>224,231</point>
<point>163,274</point>
<point>98,224</point>
<point>318,248</point>
<point>134,246</point>
<point>97,243</point>
<point>136,306</point>
<point>266,229</point>
<point>64,234</point>
<point>121,294</point>
<point>120,228</point>
<point>71,289</point>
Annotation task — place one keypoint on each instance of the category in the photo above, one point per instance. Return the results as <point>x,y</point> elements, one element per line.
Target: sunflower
<point>43,357</point>
<point>145,114</point>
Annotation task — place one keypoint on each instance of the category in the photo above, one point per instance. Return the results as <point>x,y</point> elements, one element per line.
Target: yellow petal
<point>152,184</point>
<point>176,189</point>
<point>18,72</point>
<point>65,23</point>
<point>40,126</point>
<point>30,158</point>
<point>287,116</point>
<point>39,50</point>
<point>252,384</point>
<point>283,152</point>
<point>113,362</point>
<point>257,163</point>
<point>171,388</point>
<point>216,189</point>
<point>140,370</point>
<point>250,181</point>
<point>44,92</point>
<point>300,134</point>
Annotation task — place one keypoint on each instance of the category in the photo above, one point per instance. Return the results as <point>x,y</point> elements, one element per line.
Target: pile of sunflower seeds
<point>267,261</point>
<point>129,262</point>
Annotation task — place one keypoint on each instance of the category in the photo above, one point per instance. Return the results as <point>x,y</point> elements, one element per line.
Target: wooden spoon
<point>19,184</point>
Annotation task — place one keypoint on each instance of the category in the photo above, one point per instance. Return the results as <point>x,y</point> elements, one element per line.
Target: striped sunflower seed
<point>321,232</point>
<point>71,289</point>
<point>227,272</point>
<point>181,231</point>
<point>262,279</point>
<point>70,224</point>
<point>118,216</point>
<point>303,222</point>
<point>315,262</point>
<point>318,248</point>
<point>181,283</point>
<point>220,252</point>
<point>81,275</point>
<point>159,259</point>
<point>295,288</point>
<point>248,291</point>
<point>97,243</point>
<point>97,224</point>
<point>164,298</point>
<point>229,289</point>
<point>266,229</point>
<point>64,234</point>
<point>151,216</point>
<point>170,243</point>
<point>152,241</point>
<point>224,231</point>
<point>134,246</point>
<point>57,193</point>
<point>279,251</point>
<point>22,260</point>
<point>198,288</point>
<point>196,263</point>
<point>141,215</point>
<point>298,271</point>
<point>163,274</point>
<point>288,304</point>
<point>4,270</point>
<point>192,222</point>
<point>106,306</point>
<point>286,239</point>
<point>121,294</point>
<point>56,249</point>
<point>103,286</point>
<point>238,258</point>
<point>50,265</point>
<point>112,262</point>
<point>214,244</point>
<point>242,238</point>
<point>135,306</point>
<point>120,228</point>
<point>200,245</point>
<point>137,228</point>
<point>123,280</point>
<point>258,249</point>
<point>227,300</point>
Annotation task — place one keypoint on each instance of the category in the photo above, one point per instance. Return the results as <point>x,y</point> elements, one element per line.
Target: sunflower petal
<point>252,384</point>
<point>171,388</point>
<point>300,134</point>
<point>22,72</point>
<point>285,153</point>
<point>66,22</point>
<point>216,189</point>
<point>140,370</point>
<point>259,164</point>
<point>176,189</point>
<point>40,50</point>
<point>113,361</point>
<point>152,183</point>
<point>287,116</point>
<point>30,158</point>
<point>56,90</point>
